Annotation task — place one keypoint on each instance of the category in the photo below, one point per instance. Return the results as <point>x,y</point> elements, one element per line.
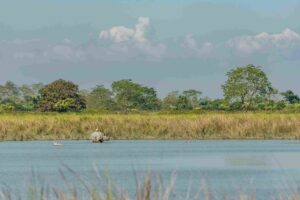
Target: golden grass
<point>37,126</point>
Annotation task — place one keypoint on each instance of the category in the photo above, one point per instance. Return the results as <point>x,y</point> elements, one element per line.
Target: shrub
<point>7,107</point>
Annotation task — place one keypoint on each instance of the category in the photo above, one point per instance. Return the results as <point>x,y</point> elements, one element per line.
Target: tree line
<point>246,88</point>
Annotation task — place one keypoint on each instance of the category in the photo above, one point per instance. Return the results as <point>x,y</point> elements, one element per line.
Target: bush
<point>293,107</point>
<point>7,107</point>
<point>65,105</point>
<point>280,105</point>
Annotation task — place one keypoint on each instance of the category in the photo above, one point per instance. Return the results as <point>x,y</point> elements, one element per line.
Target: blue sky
<point>170,45</point>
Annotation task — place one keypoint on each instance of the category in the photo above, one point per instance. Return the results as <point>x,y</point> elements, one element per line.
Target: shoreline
<point>161,140</point>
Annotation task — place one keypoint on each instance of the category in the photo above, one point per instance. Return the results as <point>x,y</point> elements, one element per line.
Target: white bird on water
<point>55,143</point>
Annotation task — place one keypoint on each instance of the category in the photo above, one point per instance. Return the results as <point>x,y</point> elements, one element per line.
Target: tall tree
<point>186,100</point>
<point>36,87</point>
<point>9,91</point>
<point>290,97</point>
<point>130,95</point>
<point>170,101</point>
<point>28,98</point>
<point>183,103</point>
<point>100,98</point>
<point>27,93</point>
<point>245,84</point>
<point>61,96</point>
<point>193,97</point>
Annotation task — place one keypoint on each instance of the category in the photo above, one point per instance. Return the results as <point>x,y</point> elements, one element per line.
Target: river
<point>260,168</point>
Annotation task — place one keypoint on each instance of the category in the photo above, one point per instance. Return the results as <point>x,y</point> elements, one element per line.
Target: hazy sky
<point>167,44</point>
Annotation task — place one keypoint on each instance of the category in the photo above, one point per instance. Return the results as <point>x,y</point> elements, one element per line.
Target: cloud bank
<point>129,52</point>
<point>123,44</point>
<point>263,42</point>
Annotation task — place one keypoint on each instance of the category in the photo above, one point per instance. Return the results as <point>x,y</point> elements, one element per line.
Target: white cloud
<point>117,34</point>
<point>123,34</point>
<point>262,42</point>
<point>203,51</point>
<point>43,52</point>
<point>129,41</point>
<point>141,28</point>
<point>135,46</point>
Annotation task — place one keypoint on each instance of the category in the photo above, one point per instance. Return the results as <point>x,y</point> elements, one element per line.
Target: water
<point>264,168</point>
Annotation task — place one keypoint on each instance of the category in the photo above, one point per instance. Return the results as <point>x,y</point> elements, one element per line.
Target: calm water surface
<point>257,167</point>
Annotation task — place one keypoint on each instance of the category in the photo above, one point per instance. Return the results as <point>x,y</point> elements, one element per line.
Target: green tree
<point>130,95</point>
<point>245,85</point>
<point>26,92</point>
<point>214,104</point>
<point>193,97</point>
<point>183,103</point>
<point>170,101</point>
<point>36,87</point>
<point>148,99</point>
<point>290,97</point>
<point>9,91</point>
<point>10,94</point>
<point>61,96</point>
<point>29,95</point>
<point>100,98</point>
<point>187,100</point>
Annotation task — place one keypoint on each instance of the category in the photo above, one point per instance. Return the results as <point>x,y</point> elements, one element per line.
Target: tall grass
<point>35,126</point>
<point>147,187</point>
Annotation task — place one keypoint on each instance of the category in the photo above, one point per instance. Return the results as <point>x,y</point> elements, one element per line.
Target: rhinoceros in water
<point>98,137</point>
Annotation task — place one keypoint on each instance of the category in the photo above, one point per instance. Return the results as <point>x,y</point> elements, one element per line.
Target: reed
<point>148,187</point>
<point>75,126</point>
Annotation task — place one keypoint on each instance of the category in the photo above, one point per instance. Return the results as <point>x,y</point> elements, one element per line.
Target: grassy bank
<point>34,126</point>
